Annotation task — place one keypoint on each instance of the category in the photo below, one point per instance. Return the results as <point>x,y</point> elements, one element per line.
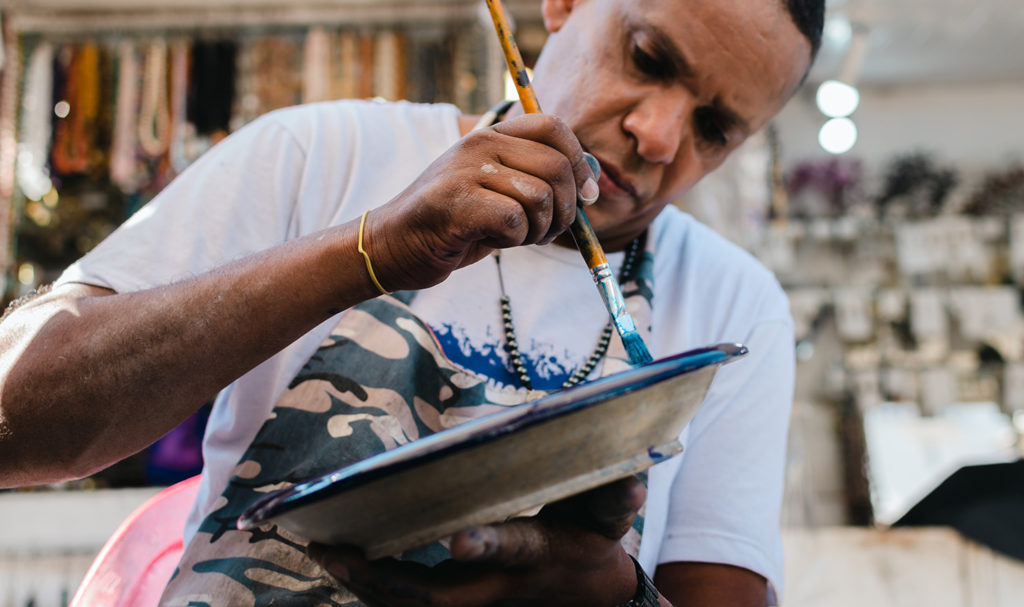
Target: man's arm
<point>710,585</point>
<point>91,376</point>
<point>88,376</point>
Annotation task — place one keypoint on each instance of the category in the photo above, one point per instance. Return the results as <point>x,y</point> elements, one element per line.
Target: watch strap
<point>646,593</point>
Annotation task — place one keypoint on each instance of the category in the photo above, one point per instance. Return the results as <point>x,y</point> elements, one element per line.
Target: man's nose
<point>658,124</point>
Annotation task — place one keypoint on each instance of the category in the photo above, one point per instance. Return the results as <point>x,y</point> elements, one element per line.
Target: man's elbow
<point>27,461</point>
<point>37,447</point>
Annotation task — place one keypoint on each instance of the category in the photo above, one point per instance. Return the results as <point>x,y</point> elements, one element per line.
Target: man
<point>250,265</point>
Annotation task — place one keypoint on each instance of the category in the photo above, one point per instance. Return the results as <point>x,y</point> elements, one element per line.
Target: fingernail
<point>595,166</point>
<point>589,192</point>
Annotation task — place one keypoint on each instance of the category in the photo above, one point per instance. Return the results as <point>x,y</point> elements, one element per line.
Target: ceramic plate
<point>497,466</point>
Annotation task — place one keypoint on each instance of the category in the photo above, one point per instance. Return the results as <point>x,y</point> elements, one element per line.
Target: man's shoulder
<point>309,120</point>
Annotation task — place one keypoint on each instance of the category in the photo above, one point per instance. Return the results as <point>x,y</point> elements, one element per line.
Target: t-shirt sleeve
<point>725,501</point>
<point>235,200</point>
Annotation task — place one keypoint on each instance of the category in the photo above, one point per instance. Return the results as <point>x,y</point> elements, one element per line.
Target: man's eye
<point>709,127</point>
<point>648,63</point>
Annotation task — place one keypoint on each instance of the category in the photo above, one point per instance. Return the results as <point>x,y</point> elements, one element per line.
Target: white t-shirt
<point>296,171</point>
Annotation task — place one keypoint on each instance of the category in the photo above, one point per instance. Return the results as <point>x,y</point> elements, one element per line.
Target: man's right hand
<point>512,184</point>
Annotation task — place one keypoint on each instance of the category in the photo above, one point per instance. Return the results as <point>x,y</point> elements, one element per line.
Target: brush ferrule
<point>612,297</point>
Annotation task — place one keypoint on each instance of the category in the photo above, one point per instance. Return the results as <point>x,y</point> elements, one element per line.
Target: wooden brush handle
<point>582,232</point>
<point>586,240</point>
<point>513,58</point>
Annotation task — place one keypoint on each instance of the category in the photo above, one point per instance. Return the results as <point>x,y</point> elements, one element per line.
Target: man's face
<point>660,91</point>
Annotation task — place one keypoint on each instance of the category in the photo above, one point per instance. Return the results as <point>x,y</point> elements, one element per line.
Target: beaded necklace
<point>516,358</point>
<point>316,65</point>
<point>365,65</point>
<point>177,148</point>
<point>122,155</point>
<point>154,113</point>
<point>36,111</point>
<point>75,136</point>
<point>346,66</point>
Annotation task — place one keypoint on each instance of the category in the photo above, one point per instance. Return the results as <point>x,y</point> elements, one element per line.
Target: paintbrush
<point>582,232</point>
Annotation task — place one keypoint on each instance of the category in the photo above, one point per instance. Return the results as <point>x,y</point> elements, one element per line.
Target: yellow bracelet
<point>366,256</point>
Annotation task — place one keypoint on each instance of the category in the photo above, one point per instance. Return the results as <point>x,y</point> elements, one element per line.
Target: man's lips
<point>613,181</point>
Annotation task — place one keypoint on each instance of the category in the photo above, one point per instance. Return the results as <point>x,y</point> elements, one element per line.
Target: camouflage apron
<point>379,380</point>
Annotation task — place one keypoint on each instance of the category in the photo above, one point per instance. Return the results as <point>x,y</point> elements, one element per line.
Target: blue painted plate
<point>497,466</point>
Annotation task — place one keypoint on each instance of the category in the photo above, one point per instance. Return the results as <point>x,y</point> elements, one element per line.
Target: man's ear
<point>555,13</point>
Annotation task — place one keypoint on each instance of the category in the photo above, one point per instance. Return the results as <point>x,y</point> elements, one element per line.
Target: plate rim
<point>483,429</point>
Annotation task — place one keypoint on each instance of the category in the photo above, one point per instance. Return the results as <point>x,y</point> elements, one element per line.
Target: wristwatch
<point>646,594</point>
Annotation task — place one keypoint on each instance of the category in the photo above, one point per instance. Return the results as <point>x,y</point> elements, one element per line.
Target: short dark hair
<point>809,17</point>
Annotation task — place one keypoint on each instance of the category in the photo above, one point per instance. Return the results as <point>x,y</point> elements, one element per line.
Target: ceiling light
<point>838,31</point>
<point>837,99</point>
<point>838,136</point>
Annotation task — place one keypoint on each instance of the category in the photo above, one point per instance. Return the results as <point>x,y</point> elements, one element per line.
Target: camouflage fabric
<point>378,381</point>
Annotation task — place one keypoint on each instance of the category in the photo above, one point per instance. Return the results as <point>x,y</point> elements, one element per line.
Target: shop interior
<point>887,197</point>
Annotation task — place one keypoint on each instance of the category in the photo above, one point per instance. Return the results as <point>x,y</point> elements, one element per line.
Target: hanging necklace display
<point>154,115</point>
<point>278,72</point>
<point>365,66</point>
<point>347,72</point>
<point>385,65</point>
<point>316,57</point>
<point>247,100</point>
<point>512,345</point>
<point>36,111</point>
<point>9,78</point>
<point>122,156</point>
<point>74,140</point>
<point>179,96</point>
<point>211,91</point>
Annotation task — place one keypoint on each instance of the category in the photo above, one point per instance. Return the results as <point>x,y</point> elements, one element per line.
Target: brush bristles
<point>636,349</point>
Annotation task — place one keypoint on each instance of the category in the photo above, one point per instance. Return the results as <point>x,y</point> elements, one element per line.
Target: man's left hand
<point>569,554</point>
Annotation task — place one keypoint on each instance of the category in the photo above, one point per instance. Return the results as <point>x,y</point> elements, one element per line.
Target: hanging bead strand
<point>316,57</point>
<point>179,99</point>
<point>154,115</point>
<point>122,162</point>
<point>36,113</point>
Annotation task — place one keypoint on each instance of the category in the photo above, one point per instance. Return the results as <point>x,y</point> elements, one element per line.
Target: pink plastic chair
<point>138,560</point>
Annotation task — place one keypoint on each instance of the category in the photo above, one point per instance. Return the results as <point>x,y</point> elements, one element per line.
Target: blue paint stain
<point>488,358</point>
<point>656,456</point>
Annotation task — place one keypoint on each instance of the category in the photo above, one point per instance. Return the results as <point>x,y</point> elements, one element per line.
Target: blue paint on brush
<point>624,323</point>
<point>636,349</point>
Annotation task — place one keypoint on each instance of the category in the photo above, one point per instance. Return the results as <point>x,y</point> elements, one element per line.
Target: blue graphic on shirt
<point>490,359</point>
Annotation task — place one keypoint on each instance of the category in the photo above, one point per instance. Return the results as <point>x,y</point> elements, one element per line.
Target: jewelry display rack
<point>480,82</point>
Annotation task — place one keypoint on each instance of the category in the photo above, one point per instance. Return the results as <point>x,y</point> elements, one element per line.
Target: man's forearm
<point>90,377</point>
<point>709,585</point>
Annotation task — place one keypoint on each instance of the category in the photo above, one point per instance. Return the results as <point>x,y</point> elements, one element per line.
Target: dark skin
<point>527,561</point>
<point>577,539</point>
<point>658,90</point>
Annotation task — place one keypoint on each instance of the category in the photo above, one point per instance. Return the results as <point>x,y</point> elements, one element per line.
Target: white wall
<point>969,126</point>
